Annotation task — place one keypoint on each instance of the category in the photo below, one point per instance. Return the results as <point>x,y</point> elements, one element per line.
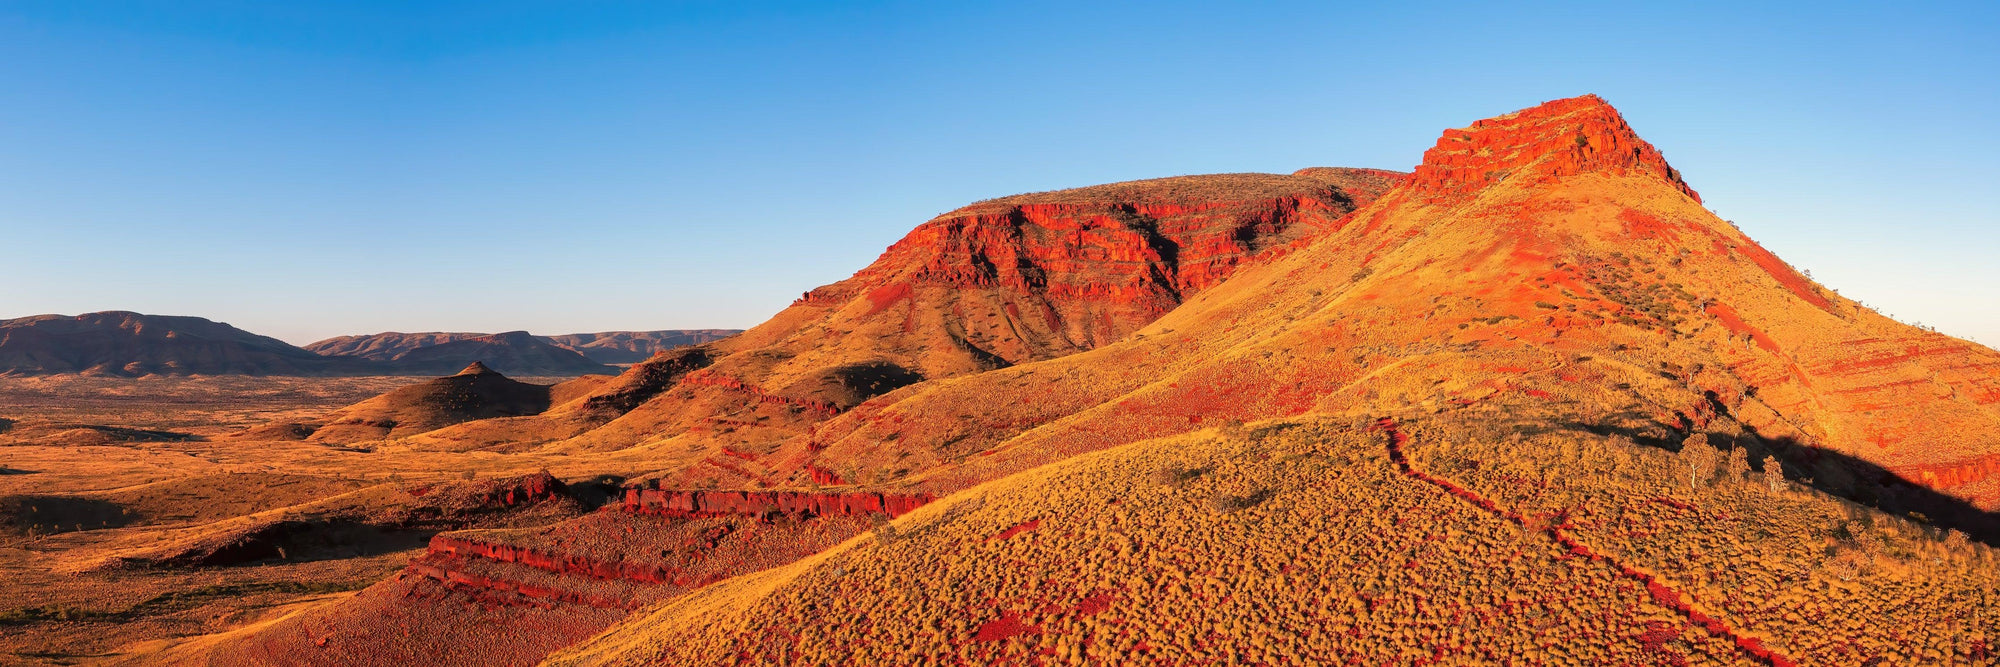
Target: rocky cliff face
<point>1036,276</point>
<point>1537,146</point>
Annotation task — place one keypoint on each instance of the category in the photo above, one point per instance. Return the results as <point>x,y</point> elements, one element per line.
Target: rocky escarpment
<point>1040,275</point>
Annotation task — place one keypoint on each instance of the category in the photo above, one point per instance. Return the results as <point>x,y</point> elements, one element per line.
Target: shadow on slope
<point>1854,480</point>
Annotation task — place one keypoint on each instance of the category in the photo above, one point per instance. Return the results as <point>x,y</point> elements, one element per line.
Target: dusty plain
<point>92,468</point>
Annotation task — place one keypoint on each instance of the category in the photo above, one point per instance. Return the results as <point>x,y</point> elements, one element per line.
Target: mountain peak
<point>1565,137</point>
<point>477,368</point>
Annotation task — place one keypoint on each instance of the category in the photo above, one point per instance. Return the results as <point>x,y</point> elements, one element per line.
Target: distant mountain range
<point>610,347</point>
<point>118,343</point>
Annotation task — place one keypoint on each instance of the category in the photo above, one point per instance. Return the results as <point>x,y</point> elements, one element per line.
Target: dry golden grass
<point>1302,543</point>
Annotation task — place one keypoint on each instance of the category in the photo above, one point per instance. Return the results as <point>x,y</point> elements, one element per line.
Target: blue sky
<point>307,169</point>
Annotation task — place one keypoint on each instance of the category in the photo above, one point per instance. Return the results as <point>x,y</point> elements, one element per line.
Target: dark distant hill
<point>514,352</point>
<point>610,347</point>
<point>384,346</point>
<point>131,344</point>
<point>631,347</point>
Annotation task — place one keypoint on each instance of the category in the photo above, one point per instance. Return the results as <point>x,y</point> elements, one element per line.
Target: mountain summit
<point>1536,145</point>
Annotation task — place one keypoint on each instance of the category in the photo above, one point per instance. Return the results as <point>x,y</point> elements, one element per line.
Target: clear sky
<point>306,169</point>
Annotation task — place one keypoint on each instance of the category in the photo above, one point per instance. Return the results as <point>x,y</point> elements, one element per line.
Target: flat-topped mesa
<point>1565,137</point>
<point>1149,242</point>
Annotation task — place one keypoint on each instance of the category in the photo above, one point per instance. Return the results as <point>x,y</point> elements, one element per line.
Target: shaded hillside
<point>385,346</point>
<point>514,352</point>
<point>130,344</point>
<point>611,347</point>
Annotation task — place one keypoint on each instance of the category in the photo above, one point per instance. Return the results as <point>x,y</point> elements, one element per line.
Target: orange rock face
<point>1066,271</point>
<point>1538,145</point>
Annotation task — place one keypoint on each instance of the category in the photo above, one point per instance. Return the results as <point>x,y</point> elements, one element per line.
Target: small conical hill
<point>475,393</point>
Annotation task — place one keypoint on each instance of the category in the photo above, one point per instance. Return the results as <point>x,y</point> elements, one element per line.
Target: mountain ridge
<point>604,347</point>
<point>130,344</point>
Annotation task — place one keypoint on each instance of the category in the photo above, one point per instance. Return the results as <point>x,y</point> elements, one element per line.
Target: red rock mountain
<point>994,284</point>
<point>1544,290</point>
<point>998,283</point>
<point>1531,402</point>
<point>1552,238</point>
